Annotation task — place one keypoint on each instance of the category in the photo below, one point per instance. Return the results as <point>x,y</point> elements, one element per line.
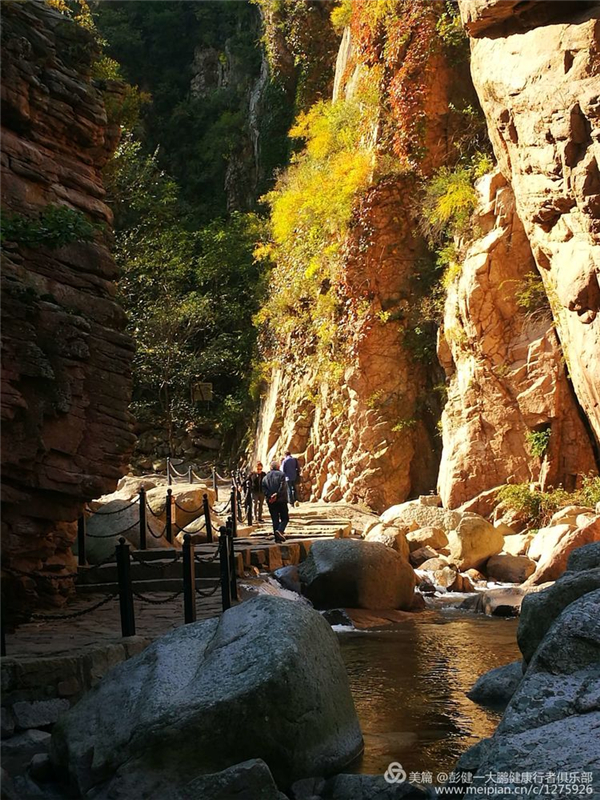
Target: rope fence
<point>124,558</point>
<point>128,589</point>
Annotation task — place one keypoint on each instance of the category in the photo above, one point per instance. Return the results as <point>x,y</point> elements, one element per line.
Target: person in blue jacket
<point>290,467</point>
<point>275,490</point>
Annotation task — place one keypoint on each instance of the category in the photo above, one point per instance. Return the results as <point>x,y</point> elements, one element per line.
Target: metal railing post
<point>250,509</point>
<point>143,519</point>
<point>190,475</point>
<point>240,515</point>
<point>81,560</point>
<point>189,580</point>
<point>214,483</point>
<point>168,470</point>
<point>225,569</point>
<point>125,589</point>
<point>169,515</point>
<point>207,522</point>
<point>234,510</point>
<point>232,569</point>
<point>2,633</point>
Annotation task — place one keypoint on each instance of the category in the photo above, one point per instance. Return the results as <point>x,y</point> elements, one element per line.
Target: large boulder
<point>569,515</point>
<point>586,557</point>
<point>264,681</point>
<point>540,609</point>
<point>509,569</point>
<point>496,687</point>
<point>187,503</point>
<point>415,515</point>
<point>115,519</point>
<point>546,540</point>
<point>517,544</point>
<point>393,536</point>
<point>357,574</point>
<point>427,537</point>
<point>250,780</point>
<point>473,542</point>
<point>420,556</point>
<point>552,564</point>
<point>552,723</point>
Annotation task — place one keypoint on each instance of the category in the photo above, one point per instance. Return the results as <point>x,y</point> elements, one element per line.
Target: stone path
<point>256,553</point>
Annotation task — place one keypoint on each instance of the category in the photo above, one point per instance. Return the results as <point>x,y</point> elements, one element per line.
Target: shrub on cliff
<point>311,211</point>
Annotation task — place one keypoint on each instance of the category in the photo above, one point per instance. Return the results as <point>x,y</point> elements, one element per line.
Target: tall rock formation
<point>520,342</point>
<point>536,68</point>
<point>505,368</point>
<point>370,433</point>
<point>66,431</point>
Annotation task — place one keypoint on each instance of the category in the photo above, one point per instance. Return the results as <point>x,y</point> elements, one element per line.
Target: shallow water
<point>409,683</point>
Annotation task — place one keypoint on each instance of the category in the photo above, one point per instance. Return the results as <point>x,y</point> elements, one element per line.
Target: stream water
<point>409,683</point>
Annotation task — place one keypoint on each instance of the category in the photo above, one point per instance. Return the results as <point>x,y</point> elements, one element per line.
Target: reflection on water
<point>409,685</point>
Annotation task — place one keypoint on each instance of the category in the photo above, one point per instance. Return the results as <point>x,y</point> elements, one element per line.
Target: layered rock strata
<point>506,375</point>
<point>66,431</point>
<point>536,70</point>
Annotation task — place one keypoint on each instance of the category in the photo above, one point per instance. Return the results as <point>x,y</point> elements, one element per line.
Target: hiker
<point>290,467</point>
<point>275,490</point>
<point>256,490</point>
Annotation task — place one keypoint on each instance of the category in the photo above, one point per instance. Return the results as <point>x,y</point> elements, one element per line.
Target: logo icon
<point>395,773</point>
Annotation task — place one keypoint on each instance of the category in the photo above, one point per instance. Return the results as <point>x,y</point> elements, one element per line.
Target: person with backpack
<point>275,490</point>
<point>290,467</point>
<point>256,491</point>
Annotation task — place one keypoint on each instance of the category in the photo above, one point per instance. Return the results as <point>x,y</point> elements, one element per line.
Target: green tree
<point>190,294</point>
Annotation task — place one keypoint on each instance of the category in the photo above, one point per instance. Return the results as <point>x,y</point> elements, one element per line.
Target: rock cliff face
<point>66,432</point>
<point>505,368</point>
<point>536,74</point>
<point>370,435</point>
<point>363,438</point>
<point>520,341</point>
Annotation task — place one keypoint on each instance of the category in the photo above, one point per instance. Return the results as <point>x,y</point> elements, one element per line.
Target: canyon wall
<point>506,374</point>
<point>537,75</point>
<point>515,372</point>
<point>368,434</point>
<point>519,341</point>
<point>66,431</point>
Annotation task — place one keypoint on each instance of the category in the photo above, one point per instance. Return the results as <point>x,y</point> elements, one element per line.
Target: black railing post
<point>233,503</point>
<point>2,632</point>
<point>249,502</point>
<point>207,522</point>
<point>168,470</point>
<point>143,519</point>
<point>81,540</point>
<point>225,569</point>
<point>240,515</point>
<point>214,483</point>
<point>169,515</point>
<point>190,475</point>
<point>189,580</point>
<point>125,589</point>
<point>232,569</point>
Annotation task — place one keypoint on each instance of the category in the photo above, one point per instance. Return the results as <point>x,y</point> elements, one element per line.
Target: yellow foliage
<point>341,15</point>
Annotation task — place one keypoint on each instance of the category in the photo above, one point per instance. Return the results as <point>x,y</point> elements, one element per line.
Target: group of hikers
<point>278,488</point>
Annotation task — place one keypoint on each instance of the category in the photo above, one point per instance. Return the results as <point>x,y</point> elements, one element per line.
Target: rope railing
<point>208,594</point>
<point>111,535</point>
<point>155,514</point>
<point>74,614</point>
<point>188,510</point>
<point>128,590</point>
<point>160,567</point>
<point>152,602</point>
<point>114,511</point>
